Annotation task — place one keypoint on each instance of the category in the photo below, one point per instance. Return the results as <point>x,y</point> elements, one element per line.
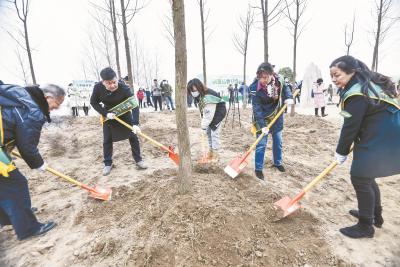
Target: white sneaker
<point>140,165</point>
<point>107,170</point>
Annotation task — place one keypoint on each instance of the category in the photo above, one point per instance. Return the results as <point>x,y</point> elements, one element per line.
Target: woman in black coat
<point>371,111</point>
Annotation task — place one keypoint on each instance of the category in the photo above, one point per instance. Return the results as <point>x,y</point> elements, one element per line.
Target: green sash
<point>356,90</point>
<point>123,107</point>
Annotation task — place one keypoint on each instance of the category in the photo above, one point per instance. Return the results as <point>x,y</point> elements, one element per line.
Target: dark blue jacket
<point>22,121</point>
<point>375,131</point>
<point>263,106</point>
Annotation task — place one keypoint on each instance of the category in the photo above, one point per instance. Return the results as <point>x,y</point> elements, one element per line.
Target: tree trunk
<point>28,50</point>
<point>203,43</point>
<point>244,79</point>
<point>115,36</point>
<point>127,50</point>
<point>264,8</point>
<point>185,164</point>
<point>295,42</point>
<point>374,66</point>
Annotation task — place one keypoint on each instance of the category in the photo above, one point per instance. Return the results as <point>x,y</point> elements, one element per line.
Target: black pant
<point>140,103</point>
<point>298,98</point>
<point>75,112</point>
<point>108,147</point>
<point>368,196</point>
<point>86,110</point>
<point>15,205</point>
<point>157,99</point>
<point>148,100</point>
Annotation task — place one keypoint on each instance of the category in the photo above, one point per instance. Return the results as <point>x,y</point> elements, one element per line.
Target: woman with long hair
<point>371,110</point>
<point>212,109</point>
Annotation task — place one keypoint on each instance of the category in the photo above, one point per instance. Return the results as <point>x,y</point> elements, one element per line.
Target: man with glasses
<point>24,110</point>
<point>106,95</point>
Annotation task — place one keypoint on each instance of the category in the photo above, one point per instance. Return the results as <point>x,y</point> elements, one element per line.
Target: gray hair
<point>53,90</point>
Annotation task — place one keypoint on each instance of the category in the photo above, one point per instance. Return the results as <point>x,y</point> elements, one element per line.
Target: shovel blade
<point>204,159</point>
<point>285,207</point>
<point>235,167</point>
<point>172,155</point>
<point>101,193</point>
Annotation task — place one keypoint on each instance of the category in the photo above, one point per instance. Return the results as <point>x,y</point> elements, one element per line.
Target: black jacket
<point>110,99</point>
<point>23,120</point>
<point>375,130</point>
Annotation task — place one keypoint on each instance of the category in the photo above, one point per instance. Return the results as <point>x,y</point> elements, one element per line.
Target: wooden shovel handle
<point>144,136</point>
<point>282,109</point>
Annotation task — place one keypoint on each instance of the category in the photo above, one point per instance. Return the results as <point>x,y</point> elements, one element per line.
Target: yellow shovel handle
<point>323,174</point>
<point>69,179</point>
<point>142,134</point>
<point>253,146</point>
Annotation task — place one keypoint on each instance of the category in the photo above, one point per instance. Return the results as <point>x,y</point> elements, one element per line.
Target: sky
<point>59,33</point>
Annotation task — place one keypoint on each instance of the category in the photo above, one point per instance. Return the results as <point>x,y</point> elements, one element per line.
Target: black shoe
<point>45,228</point>
<point>324,115</point>
<point>378,220</point>
<point>280,168</point>
<point>260,175</point>
<point>360,230</point>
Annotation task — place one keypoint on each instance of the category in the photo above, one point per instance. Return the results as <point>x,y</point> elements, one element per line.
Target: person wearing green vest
<point>371,110</point>
<point>213,111</point>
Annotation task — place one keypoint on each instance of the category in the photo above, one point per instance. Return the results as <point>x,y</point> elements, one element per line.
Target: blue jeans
<point>276,150</point>
<point>15,205</point>
<point>170,103</point>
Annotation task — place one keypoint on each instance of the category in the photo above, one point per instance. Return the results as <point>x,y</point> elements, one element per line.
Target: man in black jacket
<point>111,93</point>
<point>23,113</point>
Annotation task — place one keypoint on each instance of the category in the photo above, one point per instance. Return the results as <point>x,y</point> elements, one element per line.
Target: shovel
<point>240,162</point>
<point>172,155</point>
<point>204,159</point>
<point>97,192</point>
<point>287,206</point>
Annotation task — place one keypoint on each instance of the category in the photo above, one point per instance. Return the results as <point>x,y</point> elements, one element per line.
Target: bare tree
<point>127,14</point>
<point>22,66</point>
<point>22,9</point>
<point>109,8</point>
<point>294,11</point>
<point>203,21</point>
<point>241,41</point>
<point>169,26</point>
<point>385,21</point>
<point>269,18</point>
<point>349,36</point>
<point>185,163</point>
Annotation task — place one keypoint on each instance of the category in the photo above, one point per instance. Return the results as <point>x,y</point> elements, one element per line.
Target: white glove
<point>265,130</point>
<point>110,116</point>
<point>42,168</point>
<point>289,101</point>
<point>136,129</point>
<point>340,158</point>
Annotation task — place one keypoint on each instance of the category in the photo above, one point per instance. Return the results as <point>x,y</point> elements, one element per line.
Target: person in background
<point>166,91</point>
<point>319,97</point>
<point>140,97</point>
<point>148,98</point>
<point>371,110</point>
<point>330,93</point>
<point>157,96</point>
